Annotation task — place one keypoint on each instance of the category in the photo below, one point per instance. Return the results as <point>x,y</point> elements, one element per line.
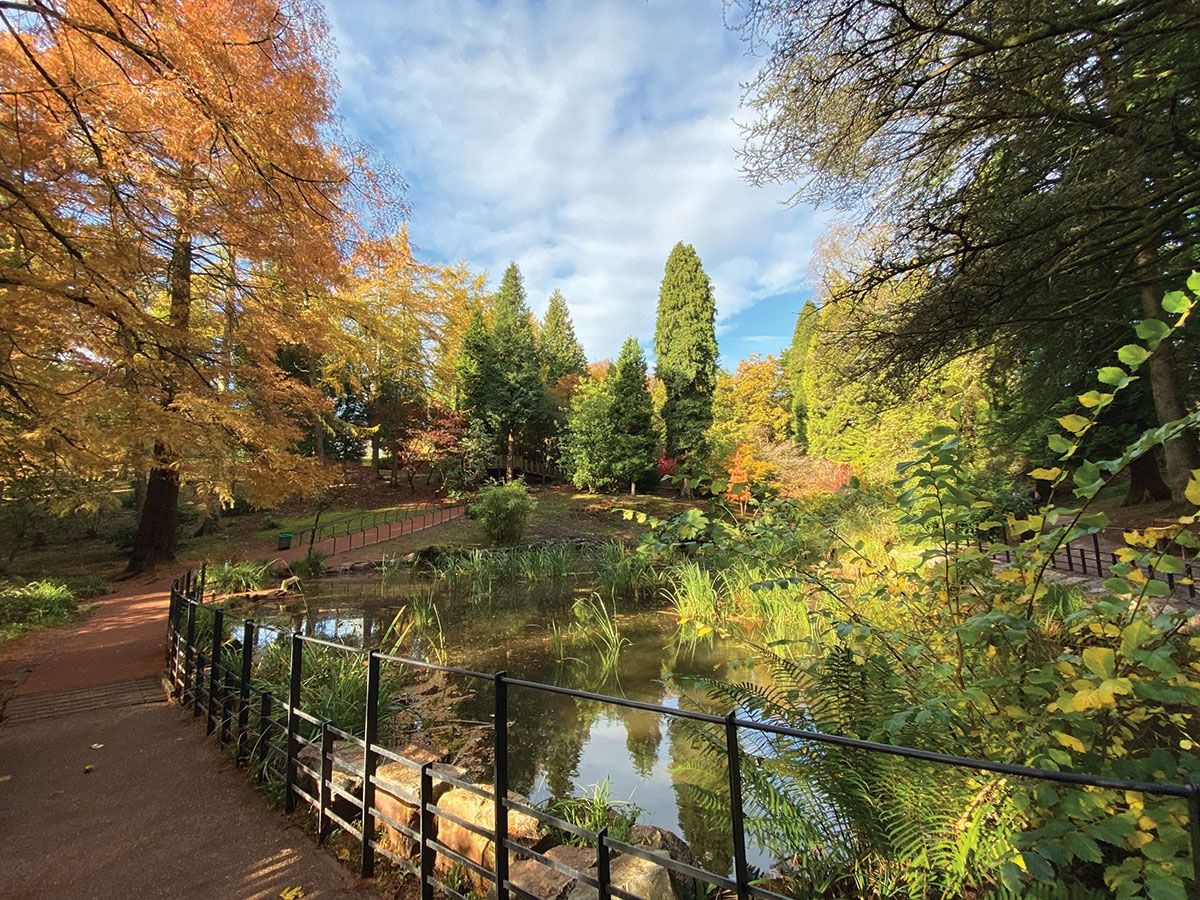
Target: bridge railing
<point>210,665</point>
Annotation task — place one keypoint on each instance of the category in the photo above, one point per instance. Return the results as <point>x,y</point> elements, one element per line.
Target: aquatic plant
<point>235,577</point>
<point>312,565</point>
<point>599,628</point>
<point>594,812</point>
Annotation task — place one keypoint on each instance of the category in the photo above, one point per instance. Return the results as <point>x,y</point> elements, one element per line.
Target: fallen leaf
<point>97,746</point>
<point>88,767</point>
<point>344,855</point>
<point>292,893</point>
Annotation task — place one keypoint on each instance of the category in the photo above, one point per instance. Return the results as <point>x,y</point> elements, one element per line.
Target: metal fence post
<point>370,763</point>
<point>427,832</point>
<point>323,792</point>
<point>244,690</point>
<point>218,637</point>
<point>201,668</point>
<point>226,732</point>
<point>264,734</point>
<point>603,875</point>
<point>189,655</point>
<point>501,786</point>
<point>203,580</point>
<point>1194,828</point>
<point>1096,547</point>
<point>733,751</point>
<point>293,723</point>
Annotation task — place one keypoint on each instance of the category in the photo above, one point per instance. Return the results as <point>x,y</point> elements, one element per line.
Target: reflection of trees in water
<point>643,736</point>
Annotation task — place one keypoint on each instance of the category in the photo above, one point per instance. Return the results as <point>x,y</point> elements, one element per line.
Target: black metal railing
<point>377,525</point>
<point>1088,558</point>
<point>219,685</point>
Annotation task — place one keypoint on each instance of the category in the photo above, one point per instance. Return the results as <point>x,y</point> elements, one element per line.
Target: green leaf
<point>1100,661</point>
<point>1059,444</point>
<point>1193,282</point>
<point>1177,302</point>
<point>1153,331</point>
<point>1113,375</point>
<point>1133,355</point>
<point>1082,846</point>
<point>1073,423</point>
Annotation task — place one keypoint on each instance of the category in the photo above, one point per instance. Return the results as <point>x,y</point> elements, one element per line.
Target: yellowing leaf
<point>1192,492</point>
<point>1073,423</point>
<point>1101,661</point>
<point>1069,741</point>
<point>291,893</point>
<point>1045,474</point>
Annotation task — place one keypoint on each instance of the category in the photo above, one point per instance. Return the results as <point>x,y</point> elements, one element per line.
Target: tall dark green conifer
<point>633,453</point>
<point>562,354</point>
<point>685,343</point>
<point>806,325</point>
<point>520,406</point>
<point>476,369</point>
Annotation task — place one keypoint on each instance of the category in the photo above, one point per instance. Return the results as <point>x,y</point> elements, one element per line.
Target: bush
<point>503,511</point>
<point>237,577</point>
<point>35,605</point>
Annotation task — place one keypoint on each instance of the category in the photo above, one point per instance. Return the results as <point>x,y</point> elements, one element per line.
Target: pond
<point>557,631</point>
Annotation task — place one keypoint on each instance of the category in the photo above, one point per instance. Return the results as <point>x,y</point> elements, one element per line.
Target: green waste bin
<point>285,540</point>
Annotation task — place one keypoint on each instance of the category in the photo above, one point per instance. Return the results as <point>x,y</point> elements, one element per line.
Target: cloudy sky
<point>583,140</point>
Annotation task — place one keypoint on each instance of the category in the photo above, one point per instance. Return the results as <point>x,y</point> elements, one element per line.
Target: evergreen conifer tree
<point>633,451</point>
<point>806,324</point>
<point>685,343</point>
<point>561,352</point>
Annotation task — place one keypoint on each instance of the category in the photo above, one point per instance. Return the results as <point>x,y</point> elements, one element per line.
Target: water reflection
<point>560,745</point>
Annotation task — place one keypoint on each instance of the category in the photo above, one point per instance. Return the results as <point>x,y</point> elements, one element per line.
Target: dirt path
<point>159,813</point>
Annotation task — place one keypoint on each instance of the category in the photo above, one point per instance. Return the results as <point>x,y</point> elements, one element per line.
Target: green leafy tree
<point>588,435</point>
<point>685,344</point>
<point>633,451</point>
<point>793,364</point>
<point>520,403</point>
<point>1037,163</point>
<point>561,352</point>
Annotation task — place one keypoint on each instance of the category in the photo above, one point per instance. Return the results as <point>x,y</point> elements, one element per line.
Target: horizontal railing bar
<point>463,823</point>
<point>307,717</point>
<point>404,864</point>
<point>309,639</point>
<point>395,757</point>
<point>445,888</point>
<point>387,788</point>
<point>519,891</point>
<point>542,816</point>
<point>342,792</point>
<point>617,701</point>
<point>343,824</point>
<point>405,830</point>
<point>313,801</point>
<point>345,735</point>
<point>1166,789</point>
<point>434,667</point>
<point>757,891</point>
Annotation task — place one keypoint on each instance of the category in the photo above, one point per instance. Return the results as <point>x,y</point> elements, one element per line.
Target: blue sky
<point>582,140</point>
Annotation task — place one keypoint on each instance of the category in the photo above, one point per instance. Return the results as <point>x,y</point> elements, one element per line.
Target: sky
<point>583,140</point>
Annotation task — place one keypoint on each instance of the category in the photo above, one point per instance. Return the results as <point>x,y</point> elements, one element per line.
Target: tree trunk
<point>395,470</point>
<point>510,458</point>
<point>318,438</point>
<point>155,539</point>
<point>633,489</point>
<point>375,452</point>
<point>1180,453</point>
<point>1145,481</point>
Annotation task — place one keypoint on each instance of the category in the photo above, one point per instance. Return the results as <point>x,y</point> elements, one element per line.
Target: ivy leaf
<point>1152,331</point>
<point>1059,444</point>
<point>1114,375</point>
<point>1133,354</point>
<point>1177,302</point>
<point>1073,423</point>
<point>1045,474</point>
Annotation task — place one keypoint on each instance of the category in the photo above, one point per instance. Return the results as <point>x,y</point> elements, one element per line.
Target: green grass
<point>38,604</point>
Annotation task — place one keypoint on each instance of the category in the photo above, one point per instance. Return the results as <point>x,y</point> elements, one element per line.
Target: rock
<point>480,811</point>
<point>546,883</point>
<point>642,878</point>
<point>661,840</point>
<point>407,780</point>
<point>347,772</point>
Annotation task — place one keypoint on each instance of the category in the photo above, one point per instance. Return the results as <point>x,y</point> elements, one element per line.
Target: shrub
<point>35,605</point>
<point>232,577</point>
<point>503,511</point>
<point>311,566</point>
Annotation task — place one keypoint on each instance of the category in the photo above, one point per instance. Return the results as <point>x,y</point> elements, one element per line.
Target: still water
<point>559,745</point>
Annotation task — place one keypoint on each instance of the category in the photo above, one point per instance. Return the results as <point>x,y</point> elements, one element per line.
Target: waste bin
<point>285,540</point>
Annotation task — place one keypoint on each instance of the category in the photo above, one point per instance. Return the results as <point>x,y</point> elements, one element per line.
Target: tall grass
<point>38,604</point>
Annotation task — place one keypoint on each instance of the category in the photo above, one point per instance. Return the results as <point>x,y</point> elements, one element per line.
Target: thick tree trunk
<point>1180,453</point>
<point>318,438</point>
<point>375,452</point>
<point>155,539</point>
<point>510,458</point>
<point>1145,482</point>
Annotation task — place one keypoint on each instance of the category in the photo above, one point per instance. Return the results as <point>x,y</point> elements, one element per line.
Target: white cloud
<point>581,139</point>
